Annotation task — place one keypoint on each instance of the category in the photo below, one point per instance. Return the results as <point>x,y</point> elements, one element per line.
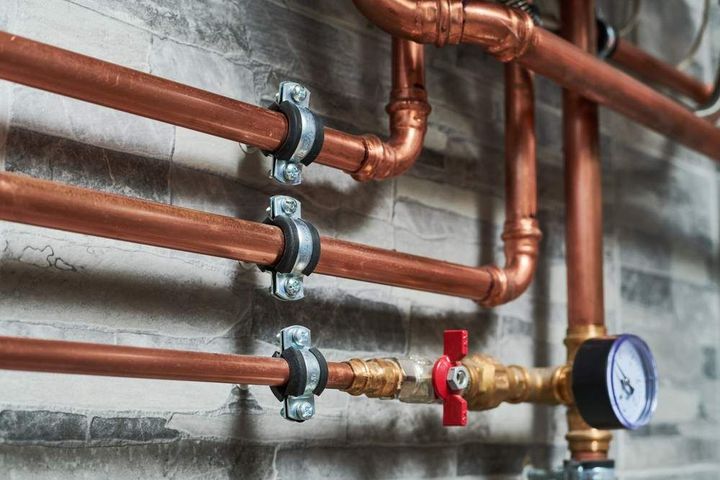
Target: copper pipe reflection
<point>510,34</point>
<point>584,227</point>
<point>56,356</point>
<point>654,70</point>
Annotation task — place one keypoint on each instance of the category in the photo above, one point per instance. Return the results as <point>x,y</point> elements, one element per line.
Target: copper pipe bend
<point>438,22</point>
<point>505,32</point>
<point>408,111</point>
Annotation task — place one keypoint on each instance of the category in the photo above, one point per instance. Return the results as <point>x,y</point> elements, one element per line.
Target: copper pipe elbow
<point>522,242</point>
<point>506,32</point>
<point>408,125</point>
<point>438,22</point>
<point>408,112</point>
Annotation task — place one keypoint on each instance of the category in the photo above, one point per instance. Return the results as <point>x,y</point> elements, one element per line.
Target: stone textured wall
<point>661,249</point>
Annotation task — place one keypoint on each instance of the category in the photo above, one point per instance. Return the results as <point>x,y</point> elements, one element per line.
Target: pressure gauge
<point>614,382</point>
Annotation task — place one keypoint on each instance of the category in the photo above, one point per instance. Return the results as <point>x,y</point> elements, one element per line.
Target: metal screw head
<point>458,378</point>
<point>301,337</point>
<point>292,172</point>
<point>298,93</point>
<point>304,410</point>
<point>293,287</point>
<point>290,206</point>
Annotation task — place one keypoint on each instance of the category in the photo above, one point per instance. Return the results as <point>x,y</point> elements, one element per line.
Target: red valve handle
<point>454,405</point>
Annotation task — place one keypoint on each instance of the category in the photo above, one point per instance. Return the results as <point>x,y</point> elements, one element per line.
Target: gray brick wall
<point>661,233</point>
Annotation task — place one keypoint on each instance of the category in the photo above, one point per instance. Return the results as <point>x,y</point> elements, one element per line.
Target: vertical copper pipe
<point>408,111</point>
<point>56,356</point>
<point>584,234</point>
<point>654,70</point>
<point>521,233</point>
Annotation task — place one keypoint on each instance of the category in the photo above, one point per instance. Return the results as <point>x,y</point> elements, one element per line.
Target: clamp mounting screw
<point>299,93</point>
<point>304,410</point>
<point>292,172</point>
<point>290,206</point>
<point>293,286</point>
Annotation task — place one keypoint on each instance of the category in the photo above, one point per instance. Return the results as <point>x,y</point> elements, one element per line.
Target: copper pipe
<point>56,356</point>
<point>584,227</point>
<point>408,111</point>
<point>521,233</point>
<point>78,76</point>
<point>48,204</point>
<point>653,70</point>
<point>510,34</point>
<point>583,185</point>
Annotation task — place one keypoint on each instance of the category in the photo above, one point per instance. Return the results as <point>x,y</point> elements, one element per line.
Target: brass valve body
<point>492,383</point>
<point>584,442</point>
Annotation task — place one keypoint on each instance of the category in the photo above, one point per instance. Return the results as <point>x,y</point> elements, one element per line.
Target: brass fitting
<point>375,378</point>
<point>406,379</point>
<point>584,442</point>
<point>492,383</point>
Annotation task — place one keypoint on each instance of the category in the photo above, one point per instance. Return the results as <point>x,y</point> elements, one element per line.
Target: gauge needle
<point>625,383</point>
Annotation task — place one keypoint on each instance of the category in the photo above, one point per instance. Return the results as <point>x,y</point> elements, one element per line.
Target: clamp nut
<point>458,378</point>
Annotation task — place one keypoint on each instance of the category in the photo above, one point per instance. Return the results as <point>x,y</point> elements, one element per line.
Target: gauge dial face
<point>632,381</point>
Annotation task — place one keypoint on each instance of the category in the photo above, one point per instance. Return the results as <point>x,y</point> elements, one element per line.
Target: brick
<point>78,164</point>
<point>41,426</point>
<point>131,429</point>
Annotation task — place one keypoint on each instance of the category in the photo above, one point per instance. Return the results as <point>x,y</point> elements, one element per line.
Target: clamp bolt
<point>301,337</point>
<point>293,287</point>
<point>290,206</point>
<point>299,93</point>
<point>458,378</point>
<point>304,410</point>
<point>292,172</point>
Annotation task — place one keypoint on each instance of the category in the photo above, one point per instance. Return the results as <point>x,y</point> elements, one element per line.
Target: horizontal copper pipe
<point>78,76</point>
<point>48,204</point>
<point>510,34</point>
<point>653,70</point>
<point>56,356</point>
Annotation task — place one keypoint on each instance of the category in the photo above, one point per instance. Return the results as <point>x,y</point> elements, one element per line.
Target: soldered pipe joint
<point>522,241</point>
<point>408,125</point>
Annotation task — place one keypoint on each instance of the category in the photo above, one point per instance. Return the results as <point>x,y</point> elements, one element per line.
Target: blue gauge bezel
<point>651,379</point>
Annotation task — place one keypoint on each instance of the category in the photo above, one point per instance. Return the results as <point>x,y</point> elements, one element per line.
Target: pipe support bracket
<point>308,374</point>
<point>305,134</point>
<point>301,251</point>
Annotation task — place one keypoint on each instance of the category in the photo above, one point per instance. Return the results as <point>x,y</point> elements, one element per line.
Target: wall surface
<point>661,252</point>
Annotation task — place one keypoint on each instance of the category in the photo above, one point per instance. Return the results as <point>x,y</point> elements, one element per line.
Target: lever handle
<point>455,347</point>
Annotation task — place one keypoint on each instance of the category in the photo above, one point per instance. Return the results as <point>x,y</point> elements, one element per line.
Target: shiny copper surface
<point>360,262</point>
<point>653,70</point>
<point>408,111</point>
<point>60,71</point>
<point>48,204</point>
<point>583,184</point>
<point>510,34</point>
<point>56,356</point>
<point>584,224</point>
<point>521,233</point>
